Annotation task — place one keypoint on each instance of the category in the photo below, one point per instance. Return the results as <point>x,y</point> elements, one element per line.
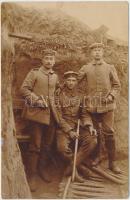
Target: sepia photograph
<point>64,100</point>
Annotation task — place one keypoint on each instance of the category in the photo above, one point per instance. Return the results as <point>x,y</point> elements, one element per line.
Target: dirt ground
<point>50,190</point>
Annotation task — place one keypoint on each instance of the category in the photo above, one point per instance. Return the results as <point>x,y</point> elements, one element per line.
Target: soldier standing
<point>70,108</point>
<point>38,90</point>
<point>103,87</point>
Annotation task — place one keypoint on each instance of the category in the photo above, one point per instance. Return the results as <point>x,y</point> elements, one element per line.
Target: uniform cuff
<point>67,129</point>
<point>87,123</point>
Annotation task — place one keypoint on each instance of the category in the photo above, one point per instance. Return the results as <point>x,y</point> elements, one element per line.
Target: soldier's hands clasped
<point>92,131</point>
<point>73,135</point>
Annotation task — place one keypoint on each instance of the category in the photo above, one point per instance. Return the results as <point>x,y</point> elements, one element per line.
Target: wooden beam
<point>23,138</point>
<point>20,36</point>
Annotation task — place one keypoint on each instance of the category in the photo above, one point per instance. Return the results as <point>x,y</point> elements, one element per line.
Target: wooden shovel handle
<point>75,152</point>
<point>66,187</point>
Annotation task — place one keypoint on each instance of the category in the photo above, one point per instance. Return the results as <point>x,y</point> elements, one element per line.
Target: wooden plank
<point>18,103</point>
<point>20,36</point>
<point>23,138</point>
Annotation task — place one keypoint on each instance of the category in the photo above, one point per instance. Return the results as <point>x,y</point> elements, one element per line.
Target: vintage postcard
<point>64,69</point>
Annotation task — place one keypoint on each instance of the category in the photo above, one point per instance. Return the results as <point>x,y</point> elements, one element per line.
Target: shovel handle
<point>66,188</point>
<point>75,152</point>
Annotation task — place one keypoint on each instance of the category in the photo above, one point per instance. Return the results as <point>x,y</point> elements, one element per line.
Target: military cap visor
<point>96,45</point>
<point>70,74</point>
<point>49,52</point>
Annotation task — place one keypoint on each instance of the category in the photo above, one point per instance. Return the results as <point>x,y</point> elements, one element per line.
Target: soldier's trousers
<point>107,121</point>
<point>65,145</point>
<point>41,135</point>
<point>41,139</point>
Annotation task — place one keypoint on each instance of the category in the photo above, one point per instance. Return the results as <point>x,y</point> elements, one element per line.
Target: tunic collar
<point>99,62</point>
<point>43,70</point>
<point>71,93</point>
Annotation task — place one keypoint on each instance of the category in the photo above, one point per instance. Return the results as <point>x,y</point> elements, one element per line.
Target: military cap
<point>49,52</point>
<point>96,45</point>
<point>70,74</point>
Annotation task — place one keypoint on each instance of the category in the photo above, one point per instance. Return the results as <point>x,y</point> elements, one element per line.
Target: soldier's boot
<point>83,155</point>
<point>32,183</point>
<point>78,178</point>
<point>68,172</point>
<point>97,160</point>
<point>44,174</point>
<point>98,151</point>
<point>110,145</point>
<point>85,171</point>
<point>33,160</point>
<point>113,167</point>
<point>43,168</point>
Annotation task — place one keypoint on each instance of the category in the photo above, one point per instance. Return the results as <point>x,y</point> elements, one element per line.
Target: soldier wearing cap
<point>38,90</point>
<point>70,108</point>
<point>103,88</point>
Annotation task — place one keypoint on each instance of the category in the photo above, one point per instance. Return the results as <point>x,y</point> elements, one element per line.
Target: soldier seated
<point>70,107</point>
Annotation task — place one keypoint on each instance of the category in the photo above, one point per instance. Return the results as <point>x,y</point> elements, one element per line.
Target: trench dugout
<point>25,60</point>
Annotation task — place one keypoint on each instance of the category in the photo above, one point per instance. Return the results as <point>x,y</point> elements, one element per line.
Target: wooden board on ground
<point>99,188</point>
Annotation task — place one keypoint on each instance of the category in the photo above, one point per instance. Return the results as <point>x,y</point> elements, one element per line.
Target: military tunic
<point>40,84</point>
<point>70,108</point>
<point>102,80</point>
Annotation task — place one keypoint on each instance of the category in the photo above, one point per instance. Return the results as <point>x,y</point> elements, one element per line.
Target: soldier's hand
<point>40,103</point>
<point>109,98</point>
<point>57,92</point>
<point>92,131</point>
<point>73,135</point>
